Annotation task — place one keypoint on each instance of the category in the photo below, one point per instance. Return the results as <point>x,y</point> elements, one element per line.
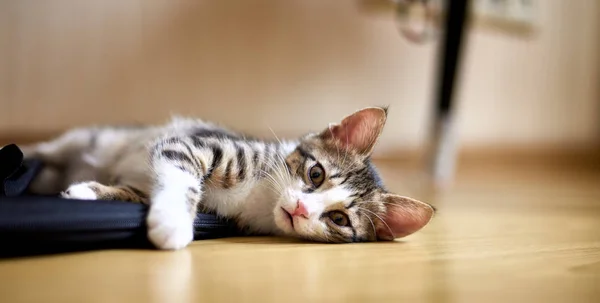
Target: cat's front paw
<point>82,191</point>
<point>169,229</point>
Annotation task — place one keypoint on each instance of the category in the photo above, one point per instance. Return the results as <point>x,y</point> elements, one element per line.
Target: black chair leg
<point>444,146</point>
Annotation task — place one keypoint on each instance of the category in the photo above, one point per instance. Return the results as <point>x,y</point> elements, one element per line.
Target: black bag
<point>46,224</point>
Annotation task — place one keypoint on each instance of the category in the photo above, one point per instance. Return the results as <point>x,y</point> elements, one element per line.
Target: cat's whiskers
<point>272,181</point>
<point>282,170</point>
<point>278,182</point>
<point>379,217</point>
<point>281,179</point>
<point>273,184</point>
<point>371,221</point>
<point>273,189</point>
<point>286,173</point>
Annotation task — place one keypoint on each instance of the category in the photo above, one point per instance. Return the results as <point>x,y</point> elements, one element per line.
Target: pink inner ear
<point>360,130</point>
<point>403,217</point>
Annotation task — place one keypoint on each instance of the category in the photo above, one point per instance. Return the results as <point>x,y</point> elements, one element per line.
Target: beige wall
<point>288,65</point>
<point>544,89</point>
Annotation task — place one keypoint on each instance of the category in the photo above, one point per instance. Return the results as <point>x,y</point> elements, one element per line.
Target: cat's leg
<point>58,151</point>
<point>92,190</point>
<point>179,168</point>
<point>57,155</point>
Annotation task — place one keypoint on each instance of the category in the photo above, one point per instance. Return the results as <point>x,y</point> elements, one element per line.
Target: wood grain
<point>503,233</point>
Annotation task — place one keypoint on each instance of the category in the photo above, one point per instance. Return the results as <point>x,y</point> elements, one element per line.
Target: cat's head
<point>332,193</point>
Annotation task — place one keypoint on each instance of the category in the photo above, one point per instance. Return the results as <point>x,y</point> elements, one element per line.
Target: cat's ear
<point>359,131</point>
<point>403,217</point>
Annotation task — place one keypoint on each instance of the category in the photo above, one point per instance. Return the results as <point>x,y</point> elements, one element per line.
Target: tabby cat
<point>320,187</point>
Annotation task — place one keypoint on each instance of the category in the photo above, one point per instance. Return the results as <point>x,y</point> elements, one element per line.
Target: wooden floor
<point>504,233</point>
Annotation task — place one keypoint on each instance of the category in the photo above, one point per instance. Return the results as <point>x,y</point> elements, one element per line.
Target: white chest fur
<point>251,202</point>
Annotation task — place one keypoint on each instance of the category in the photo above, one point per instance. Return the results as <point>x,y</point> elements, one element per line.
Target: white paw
<point>80,191</point>
<point>170,229</point>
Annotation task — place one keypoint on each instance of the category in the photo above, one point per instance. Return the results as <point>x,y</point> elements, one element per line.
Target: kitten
<point>320,187</point>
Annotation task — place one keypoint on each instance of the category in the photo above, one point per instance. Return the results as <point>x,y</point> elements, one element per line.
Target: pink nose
<point>300,210</point>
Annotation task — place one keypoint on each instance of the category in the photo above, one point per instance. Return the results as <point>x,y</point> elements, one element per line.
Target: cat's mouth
<point>289,217</point>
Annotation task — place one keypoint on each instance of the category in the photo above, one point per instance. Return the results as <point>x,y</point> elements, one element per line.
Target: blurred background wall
<point>292,66</point>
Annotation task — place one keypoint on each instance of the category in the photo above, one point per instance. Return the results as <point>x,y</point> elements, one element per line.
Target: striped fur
<point>189,164</point>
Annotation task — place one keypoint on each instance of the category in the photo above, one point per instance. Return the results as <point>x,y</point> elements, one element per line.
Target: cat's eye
<point>339,218</point>
<point>316,174</point>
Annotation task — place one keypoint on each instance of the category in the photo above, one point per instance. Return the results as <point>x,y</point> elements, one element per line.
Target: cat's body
<point>109,155</point>
<point>320,187</point>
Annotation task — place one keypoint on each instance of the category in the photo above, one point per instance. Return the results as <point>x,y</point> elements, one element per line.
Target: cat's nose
<point>300,210</point>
